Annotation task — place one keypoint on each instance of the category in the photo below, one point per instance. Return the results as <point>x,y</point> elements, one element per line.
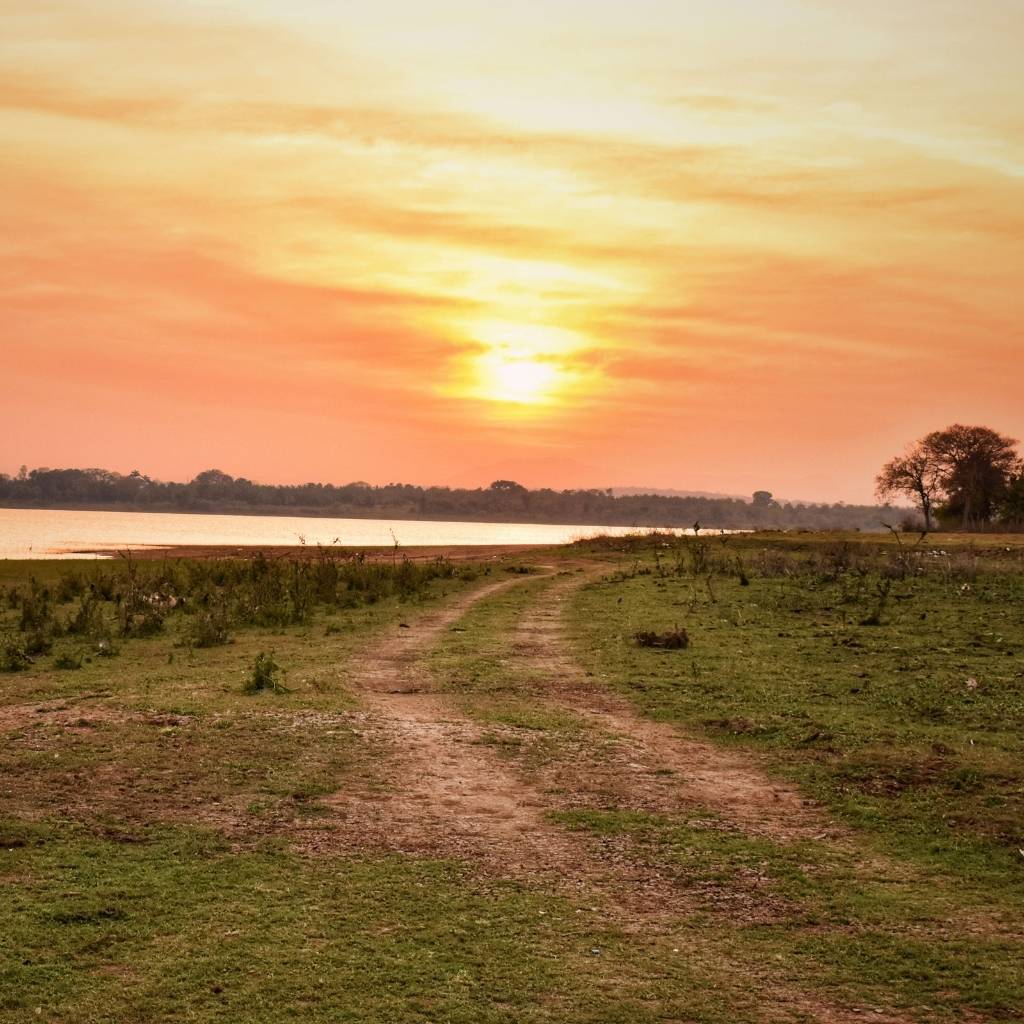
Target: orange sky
<point>711,244</point>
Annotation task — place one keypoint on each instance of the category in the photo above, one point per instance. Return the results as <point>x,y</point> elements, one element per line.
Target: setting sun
<point>521,362</point>
<point>517,379</point>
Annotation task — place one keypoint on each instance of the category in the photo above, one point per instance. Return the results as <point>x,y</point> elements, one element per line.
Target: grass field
<point>472,796</point>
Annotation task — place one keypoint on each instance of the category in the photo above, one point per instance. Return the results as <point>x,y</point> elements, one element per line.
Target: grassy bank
<point>165,853</point>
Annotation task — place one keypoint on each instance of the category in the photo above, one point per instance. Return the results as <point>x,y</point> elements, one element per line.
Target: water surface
<point>48,533</point>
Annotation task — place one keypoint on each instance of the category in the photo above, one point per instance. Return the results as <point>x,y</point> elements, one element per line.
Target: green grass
<point>477,666</point>
<point>162,730</point>
<point>115,908</point>
<point>877,934</point>
<point>166,672</point>
<point>913,728</point>
<point>176,926</point>
<point>934,929</point>
<point>910,730</point>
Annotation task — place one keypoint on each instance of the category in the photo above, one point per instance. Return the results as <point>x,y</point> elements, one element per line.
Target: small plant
<point>88,619</point>
<point>875,618</point>
<point>264,676</point>
<point>37,643</point>
<point>36,614</point>
<point>105,648</point>
<point>742,572</point>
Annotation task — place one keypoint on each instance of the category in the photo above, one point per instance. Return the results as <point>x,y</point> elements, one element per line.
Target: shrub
<point>105,648</point>
<point>37,643</point>
<point>69,586</point>
<point>88,620</point>
<point>14,657</point>
<point>264,676</point>
<point>208,628</point>
<point>36,614</point>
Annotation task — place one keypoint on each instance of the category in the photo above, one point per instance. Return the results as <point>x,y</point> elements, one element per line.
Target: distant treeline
<point>503,501</point>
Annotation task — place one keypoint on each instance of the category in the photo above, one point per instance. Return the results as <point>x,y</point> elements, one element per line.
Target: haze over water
<point>48,533</point>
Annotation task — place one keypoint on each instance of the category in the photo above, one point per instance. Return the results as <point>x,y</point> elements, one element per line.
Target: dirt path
<point>651,765</point>
<point>442,792</point>
<point>445,794</point>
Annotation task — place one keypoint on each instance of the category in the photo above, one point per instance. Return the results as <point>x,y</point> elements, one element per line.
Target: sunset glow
<point>285,238</point>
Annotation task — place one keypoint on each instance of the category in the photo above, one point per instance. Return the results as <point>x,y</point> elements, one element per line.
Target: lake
<point>48,533</point>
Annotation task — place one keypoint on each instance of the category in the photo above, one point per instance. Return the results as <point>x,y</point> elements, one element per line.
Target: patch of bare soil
<point>65,711</point>
<point>651,765</point>
<point>97,763</point>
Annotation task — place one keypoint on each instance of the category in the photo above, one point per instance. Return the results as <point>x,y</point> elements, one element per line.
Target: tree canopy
<point>966,474</point>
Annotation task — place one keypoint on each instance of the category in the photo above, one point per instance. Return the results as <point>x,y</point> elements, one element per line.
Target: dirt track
<point>682,771</point>
<point>446,794</point>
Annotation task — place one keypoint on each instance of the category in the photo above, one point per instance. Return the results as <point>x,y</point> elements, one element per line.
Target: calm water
<point>44,533</point>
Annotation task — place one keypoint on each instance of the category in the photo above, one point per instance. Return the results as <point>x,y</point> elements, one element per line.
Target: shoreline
<point>281,512</point>
<point>421,553</point>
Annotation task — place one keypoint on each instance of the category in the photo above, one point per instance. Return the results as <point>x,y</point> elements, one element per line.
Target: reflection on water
<point>46,533</point>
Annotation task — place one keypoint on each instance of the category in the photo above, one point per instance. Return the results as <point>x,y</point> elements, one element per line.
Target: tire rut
<point>441,792</point>
<point>666,769</point>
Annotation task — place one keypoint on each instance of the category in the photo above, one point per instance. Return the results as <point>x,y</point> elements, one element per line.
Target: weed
<point>207,628</point>
<point>264,676</point>
<point>106,648</point>
<point>37,642</point>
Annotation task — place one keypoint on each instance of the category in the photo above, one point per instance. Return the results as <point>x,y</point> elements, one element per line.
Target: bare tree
<point>917,474</point>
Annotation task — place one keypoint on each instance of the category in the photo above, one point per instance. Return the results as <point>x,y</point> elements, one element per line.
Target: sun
<point>520,363</point>
<point>520,379</point>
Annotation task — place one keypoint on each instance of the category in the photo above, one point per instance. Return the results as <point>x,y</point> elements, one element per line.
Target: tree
<point>976,464</point>
<point>917,474</point>
<point>967,468</point>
